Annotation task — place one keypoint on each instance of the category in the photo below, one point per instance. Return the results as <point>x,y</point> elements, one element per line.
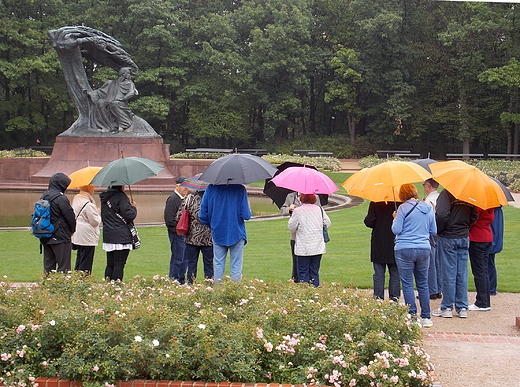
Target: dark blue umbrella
<point>238,169</point>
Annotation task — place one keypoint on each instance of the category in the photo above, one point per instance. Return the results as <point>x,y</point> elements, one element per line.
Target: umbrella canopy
<point>468,183</point>
<point>238,169</point>
<point>126,171</point>
<point>425,163</point>
<point>381,182</point>
<point>506,191</point>
<point>83,176</point>
<point>305,180</point>
<point>279,194</point>
<point>195,183</point>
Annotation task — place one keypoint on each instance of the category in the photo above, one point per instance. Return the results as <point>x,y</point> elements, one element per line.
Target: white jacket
<point>87,223</point>
<point>307,221</point>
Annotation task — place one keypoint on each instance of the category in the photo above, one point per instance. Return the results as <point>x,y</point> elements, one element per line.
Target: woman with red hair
<point>307,222</point>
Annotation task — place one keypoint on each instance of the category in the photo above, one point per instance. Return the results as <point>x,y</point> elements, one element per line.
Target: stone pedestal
<point>72,153</point>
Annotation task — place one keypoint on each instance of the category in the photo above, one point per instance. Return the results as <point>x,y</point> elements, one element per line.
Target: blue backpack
<point>41,225</point>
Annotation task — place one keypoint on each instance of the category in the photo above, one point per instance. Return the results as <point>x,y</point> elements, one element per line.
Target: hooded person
<point>117,215</point>
<point>413,224</point>
<point>57,249</point>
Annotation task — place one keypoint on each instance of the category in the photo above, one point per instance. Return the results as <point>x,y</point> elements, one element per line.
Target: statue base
<point>72,153</point>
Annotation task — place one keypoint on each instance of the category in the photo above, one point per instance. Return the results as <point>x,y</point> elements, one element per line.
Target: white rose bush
<point>72,327</point>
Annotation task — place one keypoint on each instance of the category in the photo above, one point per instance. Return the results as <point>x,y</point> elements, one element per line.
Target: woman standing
<point>117,214</point>
<point>307,222</point>
<point>86,237</point>
<point>379,218</point>
<point>413,224</point>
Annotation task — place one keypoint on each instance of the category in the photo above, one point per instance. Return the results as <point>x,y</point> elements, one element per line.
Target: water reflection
<point>16,207</point>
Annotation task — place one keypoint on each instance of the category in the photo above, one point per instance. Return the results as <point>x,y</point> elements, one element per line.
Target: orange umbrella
<point>468,183</point>
<point>381,182</point>
<point>83,176</point>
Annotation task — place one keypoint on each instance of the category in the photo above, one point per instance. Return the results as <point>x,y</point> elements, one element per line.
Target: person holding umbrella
<point>86,237</point>
<point>225,208</point>
<point>413,224</point>
<point>307,223</point>
<point>117,215</point>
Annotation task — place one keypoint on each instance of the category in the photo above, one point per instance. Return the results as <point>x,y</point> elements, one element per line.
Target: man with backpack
<point>57,249</point>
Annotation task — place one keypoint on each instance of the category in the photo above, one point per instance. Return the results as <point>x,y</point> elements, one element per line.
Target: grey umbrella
<point>509,197</point>
<point>238,169</point>
<point>425,163</point>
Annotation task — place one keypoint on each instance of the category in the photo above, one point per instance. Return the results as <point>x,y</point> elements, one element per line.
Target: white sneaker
<point>475,307</point>
<point>463,313</point>
<point>446,313</point>
<point>427,322</point>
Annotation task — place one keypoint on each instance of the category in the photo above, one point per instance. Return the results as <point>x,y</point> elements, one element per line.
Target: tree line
<point>352,75</point>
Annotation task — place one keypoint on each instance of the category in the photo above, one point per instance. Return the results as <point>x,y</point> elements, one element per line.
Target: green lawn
<point>267,253</point>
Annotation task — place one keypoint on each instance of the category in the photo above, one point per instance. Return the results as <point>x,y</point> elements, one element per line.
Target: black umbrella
<point>238,169</point>
<point>425,163</point>
<point>278,194</point>
<point>509,197</point>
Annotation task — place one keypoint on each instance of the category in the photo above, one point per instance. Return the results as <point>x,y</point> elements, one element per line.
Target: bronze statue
<point>103,111</point>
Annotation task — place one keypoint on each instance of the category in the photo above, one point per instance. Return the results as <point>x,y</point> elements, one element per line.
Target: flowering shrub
<point>77,329</point>
<point>22,152</point>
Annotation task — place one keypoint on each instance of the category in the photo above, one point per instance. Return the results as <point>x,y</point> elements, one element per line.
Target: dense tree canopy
<point>413,74</point>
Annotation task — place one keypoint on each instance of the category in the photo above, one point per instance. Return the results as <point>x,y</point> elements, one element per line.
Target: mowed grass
<point>267,253</point>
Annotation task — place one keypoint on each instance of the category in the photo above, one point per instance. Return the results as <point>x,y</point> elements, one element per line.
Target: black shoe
<point>435,296</point>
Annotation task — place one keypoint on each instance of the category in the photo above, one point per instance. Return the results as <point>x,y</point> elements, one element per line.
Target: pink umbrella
<point>305,180</point>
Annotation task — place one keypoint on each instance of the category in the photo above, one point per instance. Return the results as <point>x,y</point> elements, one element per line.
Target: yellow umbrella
<point>83,176</point>
<point>468,183</point>
<point>381,182</point>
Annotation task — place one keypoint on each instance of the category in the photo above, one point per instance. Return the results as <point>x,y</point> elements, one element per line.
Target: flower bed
<point>74,328</point>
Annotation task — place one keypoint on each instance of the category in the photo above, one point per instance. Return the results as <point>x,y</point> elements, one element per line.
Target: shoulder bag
<point>183,225</point>
<point>136,242</point>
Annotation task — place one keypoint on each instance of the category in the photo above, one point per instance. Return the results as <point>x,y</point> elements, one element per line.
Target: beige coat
<point>307,222</point>
<point>87,223</point>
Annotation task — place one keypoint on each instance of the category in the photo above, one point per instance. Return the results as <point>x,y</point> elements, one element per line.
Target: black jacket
<point>173,203</point>
<point>453,217</point>
<point>379,218</point>
<point>114,229</point>
<point>62,214</point>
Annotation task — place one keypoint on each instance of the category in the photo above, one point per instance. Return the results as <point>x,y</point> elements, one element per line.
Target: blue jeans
<point>478,257</point>
<point>394,286</point>
<point>453,254</point>
<point>434,270</point>
<point>236,257</point>
<point>192,258</point>
<point>414,263</point>
<point>309,269</point>
<point>178,263</point>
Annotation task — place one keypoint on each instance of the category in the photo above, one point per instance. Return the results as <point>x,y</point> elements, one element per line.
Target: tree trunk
<point>351,128</point>
<point>464,128</point>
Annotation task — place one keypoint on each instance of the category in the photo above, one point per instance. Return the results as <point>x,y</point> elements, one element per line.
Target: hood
<point>104,196</point>
<point>59,181</point>
<point>424,207</point>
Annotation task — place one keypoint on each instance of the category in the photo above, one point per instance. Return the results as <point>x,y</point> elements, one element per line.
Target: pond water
<point>16,207</point>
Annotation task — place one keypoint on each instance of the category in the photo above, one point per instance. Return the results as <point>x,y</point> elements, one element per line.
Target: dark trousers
<point>178,263</point>
<point>192,258</point>
<point>294,263</point>
<point>57,257</point>
<point>116,261</point>
<point>309,269</point>
<point>492,273</point>
<point>394,283</point>
<point>478,257</point>
<point>85,258</point>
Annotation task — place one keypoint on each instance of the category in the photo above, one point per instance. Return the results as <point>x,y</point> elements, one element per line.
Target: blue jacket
<point>412,228</point>
<point>225,209</point>
<point>497,226</point>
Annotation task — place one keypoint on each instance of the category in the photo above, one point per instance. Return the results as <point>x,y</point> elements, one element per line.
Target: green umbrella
<point>126,171</point>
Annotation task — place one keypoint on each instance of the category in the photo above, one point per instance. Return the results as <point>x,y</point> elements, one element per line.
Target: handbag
<point>136,241</point>
<point>326,237</point>
<point>183,225</point>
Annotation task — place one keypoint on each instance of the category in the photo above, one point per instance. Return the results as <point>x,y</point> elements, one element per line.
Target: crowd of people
<point>429,241</point>
<point>424,244</point>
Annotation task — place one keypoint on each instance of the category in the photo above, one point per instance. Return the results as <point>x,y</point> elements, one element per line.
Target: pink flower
<point>268,347</point>
<point>352,383</point>
<point>5,356</point>
<point>95,368</point>
<point>20,329</point>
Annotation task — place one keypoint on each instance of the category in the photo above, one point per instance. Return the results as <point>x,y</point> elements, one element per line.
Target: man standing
<point>434,270</point>
<point>58,248</point>
<point>225,209</point>
<point>453,218</point>
<point>178,264</point>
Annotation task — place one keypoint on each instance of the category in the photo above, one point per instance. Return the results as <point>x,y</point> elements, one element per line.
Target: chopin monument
<point>105,127</point>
